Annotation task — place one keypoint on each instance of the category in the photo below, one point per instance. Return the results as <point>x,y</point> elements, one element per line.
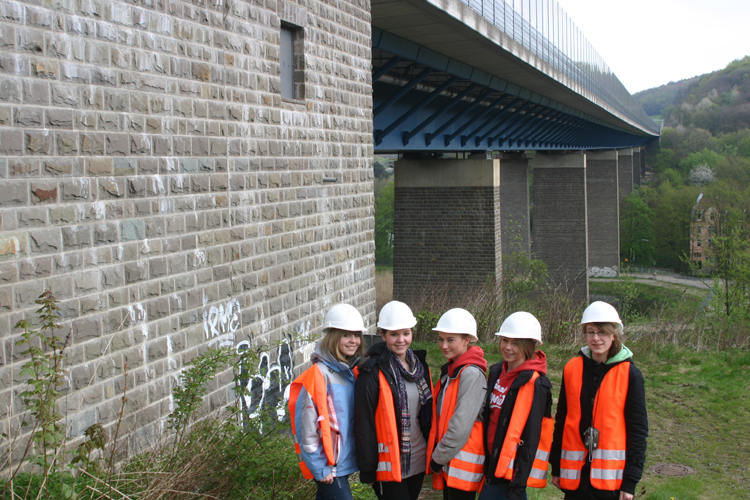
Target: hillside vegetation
<point>718,102</point>
<point>704,151</point>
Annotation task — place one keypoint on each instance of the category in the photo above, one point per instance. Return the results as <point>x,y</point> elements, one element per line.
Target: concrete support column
<point>636,167</point>
<point>559,231</point>
<point>514,203</point>
<point>625,171</point>
<point>603,207</point>
<point>447,228</point>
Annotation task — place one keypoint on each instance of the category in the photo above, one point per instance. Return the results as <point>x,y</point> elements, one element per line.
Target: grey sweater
<point>471,391</point>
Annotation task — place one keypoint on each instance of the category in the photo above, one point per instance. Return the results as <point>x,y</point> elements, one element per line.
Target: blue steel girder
<point>449,137</point>
<point>497,118</point>
<point>504,110</point>
<point>518,116</point>
<point>521,122</point>
<point>408,135</point>
<point>380,134</point>
<point>534,123</point>
<point>567,128</point>
<point>533,133</point>
<point>420,94</point>
<point>502,125</point>
<point>402,92</point>
<point>429,137</point>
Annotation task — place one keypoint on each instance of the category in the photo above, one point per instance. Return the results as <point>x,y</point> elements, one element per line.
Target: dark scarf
<point>416,376</point>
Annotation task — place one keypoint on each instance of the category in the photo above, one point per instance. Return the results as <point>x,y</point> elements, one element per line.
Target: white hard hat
<point>396,315</point>
<point>521,325</point>
<point>458,321</point>
<point>601,312</point>
<point>343,317</point>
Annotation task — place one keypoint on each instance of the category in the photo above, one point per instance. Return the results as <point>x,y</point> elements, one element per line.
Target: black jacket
<point>636,427</point>
<point>541,406</point>
<point>366,396</point>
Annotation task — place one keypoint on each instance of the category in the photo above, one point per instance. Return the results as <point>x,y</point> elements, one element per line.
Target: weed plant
<point>219,455</point>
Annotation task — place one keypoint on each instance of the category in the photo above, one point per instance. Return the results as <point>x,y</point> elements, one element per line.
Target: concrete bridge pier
<point>514,203</point>
<point>625,172</point>
<point>446,226</point>
<point>603,212</point>
<point>637,153</point>
<point>559,233</point>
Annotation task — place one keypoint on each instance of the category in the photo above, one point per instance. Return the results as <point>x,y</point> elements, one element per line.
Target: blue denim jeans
<point>498,491</point>
<point>337,490</point>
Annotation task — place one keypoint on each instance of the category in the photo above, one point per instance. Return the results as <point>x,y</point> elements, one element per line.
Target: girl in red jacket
<point>517,413</point>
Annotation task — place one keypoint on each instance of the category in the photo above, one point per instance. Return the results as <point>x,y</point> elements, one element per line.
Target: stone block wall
<point>447,225</point>
<point>156,182</point>
<point>514,198</point>
<point>625,172</point>
<point>559,234</point>
<point>603,213</point>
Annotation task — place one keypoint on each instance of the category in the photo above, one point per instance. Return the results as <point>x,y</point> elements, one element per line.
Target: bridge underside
<point>427,102</point>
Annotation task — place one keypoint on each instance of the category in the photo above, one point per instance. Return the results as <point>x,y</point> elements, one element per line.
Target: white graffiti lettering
<point>268,388</point>
<point>220,323</point>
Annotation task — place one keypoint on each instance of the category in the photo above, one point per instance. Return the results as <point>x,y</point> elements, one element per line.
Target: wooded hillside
<point>717,102</point>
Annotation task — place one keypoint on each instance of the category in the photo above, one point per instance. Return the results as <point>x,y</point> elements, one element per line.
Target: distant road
<point>667,277</point>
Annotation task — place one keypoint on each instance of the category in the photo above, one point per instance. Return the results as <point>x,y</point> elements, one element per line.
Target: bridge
<point>487,76</point>
<point>188,174</point>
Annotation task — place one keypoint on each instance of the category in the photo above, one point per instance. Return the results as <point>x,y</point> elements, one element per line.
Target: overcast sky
<point>648,43</point>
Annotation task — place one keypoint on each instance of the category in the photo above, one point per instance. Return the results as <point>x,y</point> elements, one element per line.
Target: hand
<point>625,496</point>
<point>328,479</point>
<point>435,467</point>
<point>556,482</point>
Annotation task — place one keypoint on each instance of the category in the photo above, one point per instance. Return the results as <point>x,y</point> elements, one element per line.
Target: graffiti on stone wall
<point>220,322</point>
<point>267,384</point>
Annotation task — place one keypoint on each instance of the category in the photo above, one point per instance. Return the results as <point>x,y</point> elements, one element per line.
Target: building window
<point>292,62</point>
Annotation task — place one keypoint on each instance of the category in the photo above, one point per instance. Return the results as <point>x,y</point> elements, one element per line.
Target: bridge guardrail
<point>543,27</point>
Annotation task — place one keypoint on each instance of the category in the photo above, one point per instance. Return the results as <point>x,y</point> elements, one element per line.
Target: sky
<point>648,43</point>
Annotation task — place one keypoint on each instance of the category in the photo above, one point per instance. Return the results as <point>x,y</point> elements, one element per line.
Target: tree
<point>384,224</point>
<point>730,252</point>
<point>701,175</point>
<point>636,230</point>
<point>672,227</point>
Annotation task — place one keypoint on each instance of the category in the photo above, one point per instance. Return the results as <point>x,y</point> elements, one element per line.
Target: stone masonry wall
<point>445,236</point>
<point>559,227</point>
<point>625,172</point>
<point>514,198</point>
<point>602,203</point>
<point>156,182</point>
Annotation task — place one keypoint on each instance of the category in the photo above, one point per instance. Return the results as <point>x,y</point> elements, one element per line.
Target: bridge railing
<point>543,27</point>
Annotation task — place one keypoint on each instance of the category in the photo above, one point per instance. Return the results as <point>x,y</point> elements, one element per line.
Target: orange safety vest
<point>389,445</point>
<point>608,460</point>
<point>521,409</point>
<point>466,470</point>
<point>314,383</point>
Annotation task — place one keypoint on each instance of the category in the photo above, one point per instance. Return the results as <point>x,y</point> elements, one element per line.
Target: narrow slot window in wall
<point>292,62</point>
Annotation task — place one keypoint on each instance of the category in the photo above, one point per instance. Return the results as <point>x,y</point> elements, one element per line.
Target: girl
<point>517,413</point>
<point>456,451</point>
<point>601,425</point>
<point>393,409</point>
<point>321,405</point>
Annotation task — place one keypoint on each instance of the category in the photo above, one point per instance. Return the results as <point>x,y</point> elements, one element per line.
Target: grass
<point>699,416</point>
<point>651,293</point>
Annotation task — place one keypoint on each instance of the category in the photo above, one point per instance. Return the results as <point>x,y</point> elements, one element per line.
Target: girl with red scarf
<point>455,451</point>
<point>517,413</point>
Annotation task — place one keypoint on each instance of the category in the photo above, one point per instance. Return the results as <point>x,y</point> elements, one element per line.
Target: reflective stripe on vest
<point>313,382</point>
<point>466,470</point>
<point>507,459</point>
<point>389,447</point>
<point>608,461</point>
